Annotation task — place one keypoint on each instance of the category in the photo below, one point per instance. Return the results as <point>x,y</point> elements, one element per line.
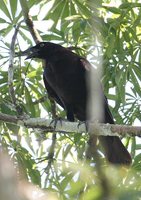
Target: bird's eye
<point>42,45</point>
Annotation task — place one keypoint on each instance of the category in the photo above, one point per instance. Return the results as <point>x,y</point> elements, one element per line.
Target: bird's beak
<point>30,53</point>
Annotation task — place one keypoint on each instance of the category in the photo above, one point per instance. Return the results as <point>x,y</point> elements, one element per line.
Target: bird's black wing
<point>51,92</point>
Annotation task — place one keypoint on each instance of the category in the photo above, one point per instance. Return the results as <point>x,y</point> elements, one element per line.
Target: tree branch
<point>73,127</point>
<point>11,71</point>
<point>29,22</point>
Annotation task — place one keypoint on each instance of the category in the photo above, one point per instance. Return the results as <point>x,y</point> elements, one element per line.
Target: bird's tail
<point>115,151</point>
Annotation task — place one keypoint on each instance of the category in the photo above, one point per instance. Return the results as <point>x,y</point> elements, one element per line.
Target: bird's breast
<point>68,83</point>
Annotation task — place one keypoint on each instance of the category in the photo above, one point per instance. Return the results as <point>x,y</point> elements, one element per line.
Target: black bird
<point>65,81</point>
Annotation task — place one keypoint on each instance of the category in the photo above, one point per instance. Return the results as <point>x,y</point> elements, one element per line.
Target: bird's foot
<point>55,121</point>
<point>86,123</point>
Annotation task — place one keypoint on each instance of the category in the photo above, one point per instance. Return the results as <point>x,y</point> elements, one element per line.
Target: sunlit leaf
<point>4,8</point>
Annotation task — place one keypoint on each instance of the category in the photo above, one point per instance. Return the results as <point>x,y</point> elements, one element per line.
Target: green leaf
<point>29,104</point>
<point>111,45</point>
<point>6,30</point>
<point>83,9</point>
<point>135,81</point>
<point>4,8</point>
<point>137,163</point>
<point>129,5</point>
<point>13,5</point>
<point>25,37</point>
<point>32,74</point>
<point>2,20</point>
<point>137,71</point>
<point>65,182</point>
<point>94,192</point>
<point>113,10</point>
<point>133,147</point>
<point>66,151</point>
<point>75,187</point>
<point>27,163</point>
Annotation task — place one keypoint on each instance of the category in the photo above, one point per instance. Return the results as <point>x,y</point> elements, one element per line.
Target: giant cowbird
<point>65,81</point>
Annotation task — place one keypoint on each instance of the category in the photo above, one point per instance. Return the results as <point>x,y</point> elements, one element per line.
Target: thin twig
<point>29,22</point>
<point>11,71</point>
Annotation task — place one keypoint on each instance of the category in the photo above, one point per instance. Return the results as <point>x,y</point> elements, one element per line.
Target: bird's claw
<point>85,123</point>
<point>55,121</point>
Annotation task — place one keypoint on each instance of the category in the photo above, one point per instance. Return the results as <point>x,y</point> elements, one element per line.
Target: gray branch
<point>29,22</point>
<point>11,70</point>
<point>73,127</point>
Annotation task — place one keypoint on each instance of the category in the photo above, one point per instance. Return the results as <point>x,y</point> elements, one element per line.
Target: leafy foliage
<point>97,31</point>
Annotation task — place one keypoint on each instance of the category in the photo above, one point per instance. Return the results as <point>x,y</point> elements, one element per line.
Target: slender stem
<point>29,22</point>
<point>11,71</point>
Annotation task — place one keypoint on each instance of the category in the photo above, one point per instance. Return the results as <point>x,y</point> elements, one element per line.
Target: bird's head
<point>42,50</point>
